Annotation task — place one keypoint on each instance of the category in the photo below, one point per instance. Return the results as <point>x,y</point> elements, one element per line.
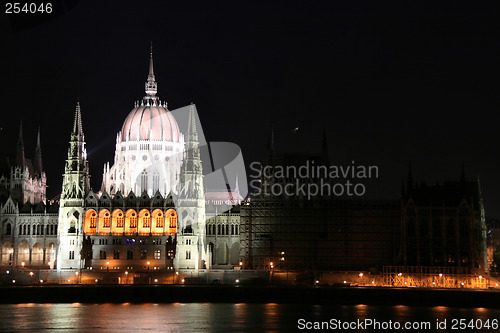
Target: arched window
<point>93,220</point>
<point>119,220</point>
<point>8,229</point>
<point>144,220</point>
<point>158,219</point>
<point>172,220</point>
<point>90,221</point>
<point>133,220</point>
<point>106,220</point>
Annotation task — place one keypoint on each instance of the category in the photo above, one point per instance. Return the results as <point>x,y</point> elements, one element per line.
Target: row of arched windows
<point>222,229</point>
<point>130,221</point>
<point>35,229</point>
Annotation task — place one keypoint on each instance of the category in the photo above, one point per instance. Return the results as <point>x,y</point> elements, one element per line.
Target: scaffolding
<point>326,233</point>
<point>434,277</point>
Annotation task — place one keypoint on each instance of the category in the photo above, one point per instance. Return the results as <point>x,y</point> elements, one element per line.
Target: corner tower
<point>191,252</point>
<point>76,185</point>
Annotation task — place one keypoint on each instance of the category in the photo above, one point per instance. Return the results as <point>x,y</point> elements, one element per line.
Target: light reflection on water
<point>212,317</point>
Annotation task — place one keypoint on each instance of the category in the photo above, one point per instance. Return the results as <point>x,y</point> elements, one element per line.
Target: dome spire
<point>151,86</point>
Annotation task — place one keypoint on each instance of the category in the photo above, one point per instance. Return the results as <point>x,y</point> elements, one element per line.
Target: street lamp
<point>107,263</point>
<point>126,276</point>
<point>22,264</point>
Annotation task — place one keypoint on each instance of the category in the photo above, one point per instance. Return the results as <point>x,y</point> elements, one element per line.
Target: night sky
<point>391,84</point>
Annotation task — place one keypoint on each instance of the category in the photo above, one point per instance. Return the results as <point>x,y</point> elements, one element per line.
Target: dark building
<point>443,225</point>
<point>434,226</point>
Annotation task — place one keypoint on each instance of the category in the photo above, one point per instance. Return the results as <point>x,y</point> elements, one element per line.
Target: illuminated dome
<point>149,148</point>
<point>150,122</point>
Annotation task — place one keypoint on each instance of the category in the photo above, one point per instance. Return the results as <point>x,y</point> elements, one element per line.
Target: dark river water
<point>215,317</point>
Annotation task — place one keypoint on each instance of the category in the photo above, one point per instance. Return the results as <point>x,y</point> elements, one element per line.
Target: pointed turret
<point>76,178</point>
<point>192,134</point>
<point>20,160</point>
<point>38,154</point>
<point>191,247</point>
<point>77,124</point>
<point>192,161</point>
<point>151,85</point>
<point>75,187</point>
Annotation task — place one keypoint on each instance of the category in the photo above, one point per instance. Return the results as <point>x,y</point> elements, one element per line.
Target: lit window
<point>157,254</point>
<point>133,220</point>
<point>106,219</point>
<point>119,220</point>
<point>172,220</point>
<point>159,220</point>
<point>93,219</point>
<point>146,221</point>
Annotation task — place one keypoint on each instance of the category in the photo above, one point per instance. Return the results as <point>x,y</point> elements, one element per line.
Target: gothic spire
<point>192,133</point>
<point>77,125</point>
<point>20,160</point>
<point>76,179</point>
<point>151,71</point>
<point>38,154</point>
<point>151,85</point>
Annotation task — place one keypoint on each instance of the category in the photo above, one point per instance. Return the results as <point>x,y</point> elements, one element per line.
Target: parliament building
<point>154,212</point>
